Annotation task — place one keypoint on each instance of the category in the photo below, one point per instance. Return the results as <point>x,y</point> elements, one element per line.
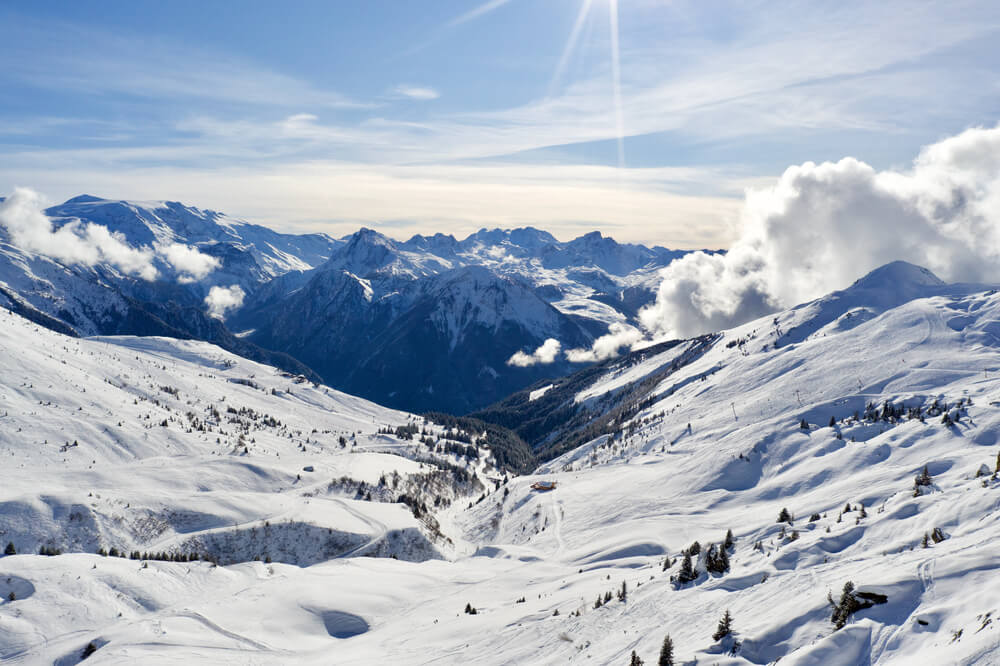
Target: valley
<point>850,439</point>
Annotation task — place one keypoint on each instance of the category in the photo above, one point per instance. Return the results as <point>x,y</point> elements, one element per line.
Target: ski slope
<point>727,439</point>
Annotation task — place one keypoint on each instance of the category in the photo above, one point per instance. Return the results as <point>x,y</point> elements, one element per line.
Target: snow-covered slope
<point>148,223</point>
<point>501,291</point>
<point>440,343</point>
<point>96,299</point>
<point>275,291</point>
<point>103,298</point>
<point>834,423</point>
<point>170,448</point>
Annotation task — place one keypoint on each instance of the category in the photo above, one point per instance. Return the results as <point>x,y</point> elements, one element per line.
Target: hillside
<point>178,451</point>
<point>851,439</point>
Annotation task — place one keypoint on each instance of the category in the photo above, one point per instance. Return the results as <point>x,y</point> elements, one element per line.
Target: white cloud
<point>619,335</point>
<point>151,68</point>
<point>544,355</point>
<point>822,226</point>
<point>799,74</point>
<point>416,92</point>
<point>22,214</point>
<point>190,264</point>
<point>221,299</point>
<point>73,243</point>
<point>299,121</point>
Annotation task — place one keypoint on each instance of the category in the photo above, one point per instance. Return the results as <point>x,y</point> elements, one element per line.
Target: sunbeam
<point>616,79</point>
<point>484,8</point>
<point>574,36</point>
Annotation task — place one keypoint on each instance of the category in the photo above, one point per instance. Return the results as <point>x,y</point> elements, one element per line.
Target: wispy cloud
<point>150,69</point>
<point>416,92</point>
<point>254,141</point>
<point>832,75</point>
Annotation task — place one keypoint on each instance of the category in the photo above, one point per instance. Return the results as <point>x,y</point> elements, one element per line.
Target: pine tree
<point>667,652</point>
<point>717,560</point>
<point>10,550</point>
<point>730,539</point>
<point>686,574</point>
<point>784,517</point>
<point>710,559</point>
<point>848,605</point>
<point>635,660</point>
<point>725,627</point>
<point>922,480</point>
<point>623,593</point>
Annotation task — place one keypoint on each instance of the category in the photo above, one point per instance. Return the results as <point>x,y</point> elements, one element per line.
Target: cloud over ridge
<point>88,244</point>
<point>821,226</point>
<point>545,354</point>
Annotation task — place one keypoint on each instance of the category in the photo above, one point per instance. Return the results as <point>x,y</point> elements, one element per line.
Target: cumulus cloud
<point>89,244</point>
<point>221,299</point>
<point>73,243</point>
<point>544,355</point>
<point>190,264</point>
<point>619,335</point>
<point>821,226</point>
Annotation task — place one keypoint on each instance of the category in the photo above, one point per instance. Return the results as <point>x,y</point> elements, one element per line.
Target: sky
<point>644,119</point>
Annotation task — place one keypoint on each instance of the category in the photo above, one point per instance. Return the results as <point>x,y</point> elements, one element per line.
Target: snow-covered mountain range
<point>337,309</point>
<point>752,472</point>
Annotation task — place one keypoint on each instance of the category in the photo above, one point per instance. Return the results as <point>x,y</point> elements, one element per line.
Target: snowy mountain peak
<point>84,198</point>
<point>527,238</point>
<point>440,244</point>
<point>897,273</point>
<point>883,289</point>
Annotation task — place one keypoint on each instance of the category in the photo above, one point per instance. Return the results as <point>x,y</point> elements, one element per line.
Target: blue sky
<point>450,116</point>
